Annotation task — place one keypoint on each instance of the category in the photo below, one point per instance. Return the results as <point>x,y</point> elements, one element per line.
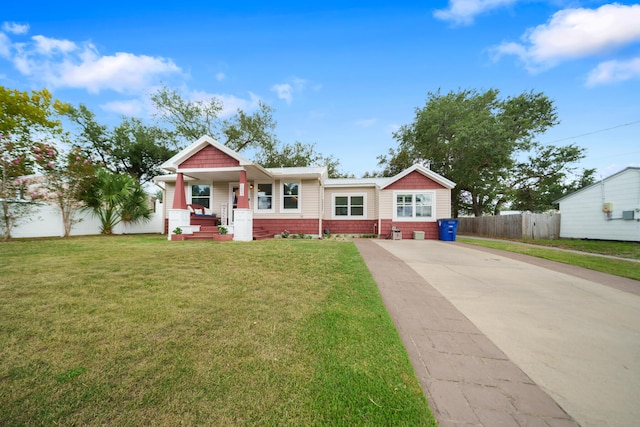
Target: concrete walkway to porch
<point>499,341</point>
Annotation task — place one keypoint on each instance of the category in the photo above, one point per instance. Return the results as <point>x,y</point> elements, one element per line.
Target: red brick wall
<point>293,226</point>
<point>357,226</point>
<point>415,180</point>
<point>430,229</point>
<point>209,157</point>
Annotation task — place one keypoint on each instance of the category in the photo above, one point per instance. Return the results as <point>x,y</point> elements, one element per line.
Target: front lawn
<point>537,248</point>
<point>135,330</point>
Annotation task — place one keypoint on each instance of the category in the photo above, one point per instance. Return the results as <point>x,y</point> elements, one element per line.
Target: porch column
<point>243,217</point>
<point>179,199</point>
<point>243,196</point>
<point>179,215</point>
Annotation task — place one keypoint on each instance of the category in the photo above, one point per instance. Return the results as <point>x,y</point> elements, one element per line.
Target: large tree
<point>189,120</point>
<point>130,147</point>
<point>25,118</point>
<point>476,139</point>
<point>299,154</point>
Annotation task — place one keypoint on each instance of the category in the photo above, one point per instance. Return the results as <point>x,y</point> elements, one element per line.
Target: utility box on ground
<point>397,234</point>
<point>418,235</point>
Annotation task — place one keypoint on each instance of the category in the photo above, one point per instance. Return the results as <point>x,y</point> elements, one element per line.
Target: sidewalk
<point>467,379</point>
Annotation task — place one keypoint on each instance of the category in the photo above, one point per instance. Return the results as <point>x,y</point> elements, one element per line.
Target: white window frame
<point>257,196</point>
<point>190,187</point>
<point>413,217</point>
<point>348,215</point>
<point>282,197</point>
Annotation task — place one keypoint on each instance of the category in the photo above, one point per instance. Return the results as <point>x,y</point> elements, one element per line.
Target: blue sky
<point>340,74</point>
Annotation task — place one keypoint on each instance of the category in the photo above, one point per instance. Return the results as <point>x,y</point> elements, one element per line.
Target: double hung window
<point>265,197</point>
<point>345,206</point>
<point>201,195</point>
<point>290,196</point>
<point>416,206</point>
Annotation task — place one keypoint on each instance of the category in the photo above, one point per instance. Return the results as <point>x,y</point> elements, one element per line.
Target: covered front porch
<point>210,189</point>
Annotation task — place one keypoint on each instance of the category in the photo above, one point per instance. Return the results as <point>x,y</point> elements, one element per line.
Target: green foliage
<point>114,198</point>
<point>25,118</point>
<point>130,147</point>
<point>298,154</point>
<point>190,120</point>
<point>615,267</point>
<point>66,179</point>
<point>476,140</point>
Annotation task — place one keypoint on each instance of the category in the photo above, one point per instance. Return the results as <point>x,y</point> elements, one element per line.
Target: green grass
<point>629,250</point>
<point>629,269</point>
<point>135,330</point>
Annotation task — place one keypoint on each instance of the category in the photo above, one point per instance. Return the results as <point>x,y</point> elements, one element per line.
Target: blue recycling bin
<point>447,229</point>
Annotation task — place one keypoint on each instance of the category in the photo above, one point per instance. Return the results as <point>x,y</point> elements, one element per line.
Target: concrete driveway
<point>575,337</point>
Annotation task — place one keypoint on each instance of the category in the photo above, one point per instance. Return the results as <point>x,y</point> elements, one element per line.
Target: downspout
<point>320,207</point>
<point>377,196</point>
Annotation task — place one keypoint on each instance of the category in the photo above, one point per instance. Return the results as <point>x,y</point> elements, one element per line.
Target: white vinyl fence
<point>46,221</point>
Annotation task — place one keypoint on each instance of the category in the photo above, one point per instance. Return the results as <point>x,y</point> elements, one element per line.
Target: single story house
<point>606,210</point>
<point>209,182</point>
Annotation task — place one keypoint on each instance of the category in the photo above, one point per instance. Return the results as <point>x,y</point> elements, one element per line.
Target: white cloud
<point>220,76</point>
<point>63,63</point>
<point>392,128</point>
<point>5,46</point>
<point>284,91</point>
<point>133,107</point>
<point>122,72</point>
<point>230,103</point>
<point>462,12</point>
<point>47,46</point>
<point>614,71</point>
<point>14,28</point>
<point>365,123</point>
<point>575,33</point>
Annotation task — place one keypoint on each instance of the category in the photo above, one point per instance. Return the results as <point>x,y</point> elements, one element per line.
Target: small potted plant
<point>285,234</point>
<point>222,235</point>
<point>177,234</point>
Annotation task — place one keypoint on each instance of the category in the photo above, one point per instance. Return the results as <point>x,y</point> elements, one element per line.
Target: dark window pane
<point>341,211</point>
<point>357,211</point>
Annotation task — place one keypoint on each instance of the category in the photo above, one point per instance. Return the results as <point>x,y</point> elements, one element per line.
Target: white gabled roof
<point>385,182</point>
<point>625,170</point>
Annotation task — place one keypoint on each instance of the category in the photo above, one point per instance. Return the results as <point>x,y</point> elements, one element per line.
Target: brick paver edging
<point>468,380</point>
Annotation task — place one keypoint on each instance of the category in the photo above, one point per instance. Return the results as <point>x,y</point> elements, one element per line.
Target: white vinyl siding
<point>582,216</point>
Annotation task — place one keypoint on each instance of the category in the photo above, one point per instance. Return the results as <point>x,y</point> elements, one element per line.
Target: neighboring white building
<point>606,210</point>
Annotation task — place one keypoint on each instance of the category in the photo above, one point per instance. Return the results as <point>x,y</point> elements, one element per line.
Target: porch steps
<point>206,233</point>
<point>260,233</point>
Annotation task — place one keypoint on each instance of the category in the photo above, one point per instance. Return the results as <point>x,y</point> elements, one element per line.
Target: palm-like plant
<point>116,197</point>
